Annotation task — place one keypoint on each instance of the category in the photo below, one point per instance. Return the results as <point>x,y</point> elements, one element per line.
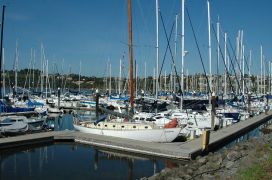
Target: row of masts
<point>240,55</point>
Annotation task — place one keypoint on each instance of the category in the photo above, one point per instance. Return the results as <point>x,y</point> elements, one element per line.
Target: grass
<point>261,170</point>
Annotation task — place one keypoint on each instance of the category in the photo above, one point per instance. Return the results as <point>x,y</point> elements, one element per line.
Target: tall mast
<point>4,78</point>
<point>241,59</point>
<point>165,89</point>
<point>136,78</point>
<point>130,57</point>
<point>110,80</point>
<point>174,65</point>
<point>1,47</point>
<point>264,77</point>
<point>46,77</point>
<point>182,53</point>
<point>79,76</point>
<point>218,49</point>
<point>243,66</point>
<point>237,56</point>
<point>33,71</point>
<point>249,68</point>
<point>41,68</point>
<point>145,79</point>
<point>157,49</point>
<point>120,77</point>
<point>16,65</point>
<point>261,69</point>
<point>225,61</point>
<point>210,50</point>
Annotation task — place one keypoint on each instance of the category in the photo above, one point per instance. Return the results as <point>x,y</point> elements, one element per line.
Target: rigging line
<point>172,57</point>
<point>223,59</point>
<point>199,53</point>
<point>235,58</point>
<point>232,65</point>
<point>247,66</point>
<point>168,44</point>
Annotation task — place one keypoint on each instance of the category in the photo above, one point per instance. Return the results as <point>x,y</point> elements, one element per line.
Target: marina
<point>134,90</point>
<point>176,150</point>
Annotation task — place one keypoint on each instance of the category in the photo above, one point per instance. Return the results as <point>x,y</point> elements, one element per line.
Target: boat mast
<point>243,68</point>
<point>210,51</point>
<point>145,79</point>
<point>218,55</point>
<point>4,76</point>
<point>174,65</point>
<point>79,76</point>
<point>1,47</point>
<point>130,57</point>
<point>225,61</point>
<point>41,73</point>
<point>182,53</point>
<point>261,69</point>
<point>16,65</point>
<point>136,79</point>
<point>165,89</point>
<point>33,70</point>
<point>120,77</point>
<point>157,51</point>
<point>110,79</point>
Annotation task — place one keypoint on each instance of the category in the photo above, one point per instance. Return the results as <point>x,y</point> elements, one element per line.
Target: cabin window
<point>146,127</point>
<point>136,118</point>
<point>113,126</point>
<point>122,126</point>
<point>134,126</point>
<point>142,119</point>
<point>98,124</point>
<point>106,125</point>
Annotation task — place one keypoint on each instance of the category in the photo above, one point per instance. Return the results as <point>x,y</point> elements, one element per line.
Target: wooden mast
<point>130,57</point>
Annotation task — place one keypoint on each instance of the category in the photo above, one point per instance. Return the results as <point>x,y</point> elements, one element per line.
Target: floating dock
<point>177,150</point>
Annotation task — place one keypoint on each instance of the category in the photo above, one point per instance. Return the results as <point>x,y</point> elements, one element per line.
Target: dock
<point>19,113</point>
<point>176,150</point>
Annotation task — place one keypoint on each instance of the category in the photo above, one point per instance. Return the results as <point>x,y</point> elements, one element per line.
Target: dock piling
<point>58,97</point>
<point>205,139</point>
<point>213,101</point>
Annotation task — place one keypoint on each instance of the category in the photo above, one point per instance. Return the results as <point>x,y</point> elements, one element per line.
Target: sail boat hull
<point>149,135</point>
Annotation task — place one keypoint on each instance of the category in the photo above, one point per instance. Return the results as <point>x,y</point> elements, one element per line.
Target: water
<point>245,137</point>
<point>76,161</point>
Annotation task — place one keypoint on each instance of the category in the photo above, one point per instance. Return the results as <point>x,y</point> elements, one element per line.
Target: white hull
<point>150,135</point>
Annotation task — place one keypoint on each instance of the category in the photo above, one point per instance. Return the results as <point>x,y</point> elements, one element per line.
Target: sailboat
<point>141,131</point>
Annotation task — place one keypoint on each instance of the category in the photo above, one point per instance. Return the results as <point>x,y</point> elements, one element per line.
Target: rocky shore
<point>224,164</point>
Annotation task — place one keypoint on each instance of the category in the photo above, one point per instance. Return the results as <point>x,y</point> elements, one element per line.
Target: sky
<point>94,33</point>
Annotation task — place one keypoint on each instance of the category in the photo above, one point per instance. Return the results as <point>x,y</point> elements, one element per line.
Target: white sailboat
<point>130,130</point>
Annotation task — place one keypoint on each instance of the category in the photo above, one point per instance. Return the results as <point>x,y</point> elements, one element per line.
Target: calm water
<point>75,161</point>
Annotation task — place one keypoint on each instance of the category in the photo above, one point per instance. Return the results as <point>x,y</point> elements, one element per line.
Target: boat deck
<point>177,150</point>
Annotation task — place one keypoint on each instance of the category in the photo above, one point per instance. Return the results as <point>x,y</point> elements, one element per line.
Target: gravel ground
<point>224,164</point>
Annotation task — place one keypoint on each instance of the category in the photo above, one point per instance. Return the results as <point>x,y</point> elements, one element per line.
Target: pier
<point>176,150</point>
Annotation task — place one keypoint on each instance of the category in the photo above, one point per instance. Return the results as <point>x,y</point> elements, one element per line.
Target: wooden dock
<point>178,150</point>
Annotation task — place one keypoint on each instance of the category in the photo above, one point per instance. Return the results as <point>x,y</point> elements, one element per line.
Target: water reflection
<point>65,121</point>
<point>257,132</point>
<point>75,161</point>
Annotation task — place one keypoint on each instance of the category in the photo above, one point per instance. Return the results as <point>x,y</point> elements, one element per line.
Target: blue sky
<point>95,32</point>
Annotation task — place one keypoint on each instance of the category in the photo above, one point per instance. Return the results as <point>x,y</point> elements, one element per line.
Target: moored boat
<point>130,130</point>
